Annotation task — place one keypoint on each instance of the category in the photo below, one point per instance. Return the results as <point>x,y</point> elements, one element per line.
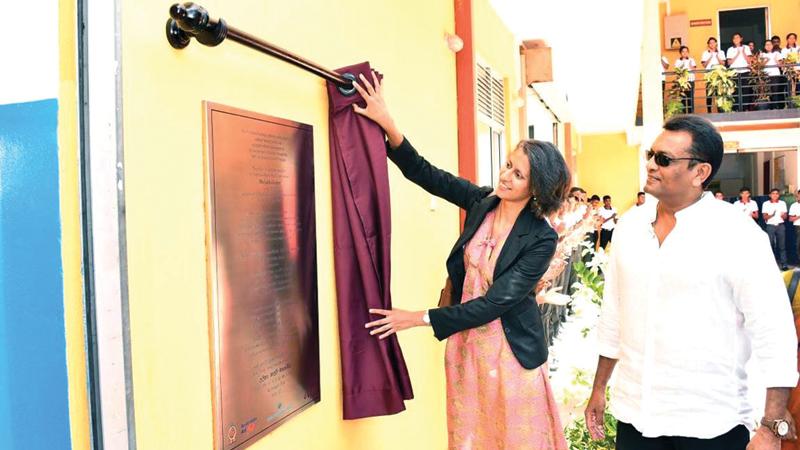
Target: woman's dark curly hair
<point>549,178</point>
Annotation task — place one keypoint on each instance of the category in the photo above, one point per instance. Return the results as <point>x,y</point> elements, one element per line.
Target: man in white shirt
<point>775,213</point>
<point>640,198</point>
<point>746,205</point>
<point>794,217</point>
<point>711,58</point>
<point>739,59</point>
<point>691,289</point>
<point>609,215</point>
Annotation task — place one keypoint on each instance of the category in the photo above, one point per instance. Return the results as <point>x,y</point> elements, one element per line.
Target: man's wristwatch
<point>779,427</point>
<point>426,318</point>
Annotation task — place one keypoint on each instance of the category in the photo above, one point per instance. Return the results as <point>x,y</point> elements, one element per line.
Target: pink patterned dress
<point>492,401</point>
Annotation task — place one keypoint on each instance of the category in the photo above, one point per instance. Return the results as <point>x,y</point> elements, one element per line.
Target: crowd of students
<point>602,216</point>
<point>738,58</point>
<point>776,217</point>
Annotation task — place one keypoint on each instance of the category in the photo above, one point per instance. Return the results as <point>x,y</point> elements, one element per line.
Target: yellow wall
<point>70,227</point>
<point>162,93</point>
<point>608,165</point>
<point>783,17</point>
<point>495,45</point>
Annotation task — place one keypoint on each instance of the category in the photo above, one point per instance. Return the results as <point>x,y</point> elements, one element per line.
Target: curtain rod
<point>189,20</point>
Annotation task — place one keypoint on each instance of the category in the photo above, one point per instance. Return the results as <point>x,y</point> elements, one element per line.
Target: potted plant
<point>791,79</point>
<point>677,91</point>
<point>759,80</point>
<point>721,83</point>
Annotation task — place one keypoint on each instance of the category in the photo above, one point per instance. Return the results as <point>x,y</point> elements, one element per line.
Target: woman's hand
<point>394,320</point>
<point>376,109</point>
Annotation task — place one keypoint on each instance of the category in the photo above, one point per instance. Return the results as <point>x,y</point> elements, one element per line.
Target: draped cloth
<point>374,375</point>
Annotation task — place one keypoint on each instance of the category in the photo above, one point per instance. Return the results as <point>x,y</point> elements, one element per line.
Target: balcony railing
<point>776,93</point>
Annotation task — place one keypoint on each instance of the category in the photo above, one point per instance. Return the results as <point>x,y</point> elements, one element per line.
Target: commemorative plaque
<point>262,272</point>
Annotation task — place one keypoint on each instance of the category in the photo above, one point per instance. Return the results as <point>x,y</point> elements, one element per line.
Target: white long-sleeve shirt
<point>683,318</point>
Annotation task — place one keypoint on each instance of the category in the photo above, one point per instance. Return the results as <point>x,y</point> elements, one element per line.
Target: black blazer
<point>523,260</point>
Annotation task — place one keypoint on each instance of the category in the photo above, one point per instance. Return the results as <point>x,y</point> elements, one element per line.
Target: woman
<point>775,85</point>
<point>687,62</point>
<point>791,49</point>
<point>711,58</point>
<point>498,392</point>
<point>739,59</point>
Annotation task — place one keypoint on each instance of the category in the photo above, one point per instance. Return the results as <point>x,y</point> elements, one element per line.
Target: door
<point>767,180</point>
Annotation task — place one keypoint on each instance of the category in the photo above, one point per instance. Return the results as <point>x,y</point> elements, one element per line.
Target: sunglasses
<point>664,161</point>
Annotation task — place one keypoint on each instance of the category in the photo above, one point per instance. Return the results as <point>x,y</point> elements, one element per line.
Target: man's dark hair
<point>548,186</point>
<point>774,190</point>
<point>594,197</point>
<point>639,193</point>
<point>775,37</point>
<point>718,192</point>
<point>575,189</point>
<point>606,197</point>
<point>706,141</point>
<point>744,189</point>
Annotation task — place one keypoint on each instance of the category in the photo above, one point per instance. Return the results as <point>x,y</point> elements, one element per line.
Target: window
<point>490,102</point>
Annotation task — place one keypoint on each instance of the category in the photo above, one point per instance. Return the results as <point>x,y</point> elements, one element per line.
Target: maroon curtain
<point>374,375</point>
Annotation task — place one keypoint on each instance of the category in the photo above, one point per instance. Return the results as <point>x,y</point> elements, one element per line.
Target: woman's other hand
<point>376,109</point>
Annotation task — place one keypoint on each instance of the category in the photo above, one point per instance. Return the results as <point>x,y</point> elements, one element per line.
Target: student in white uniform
<point>794,217</point>
<point>664,67</point>
<point>775,213</point>
<point>640,198</point>
<point>791,47</point>
<point>739,59</point>
<point>745,204</point>
<point>711,58</point>
<point>609,215</point>
<point>687,62</point>
<point>772,59</point>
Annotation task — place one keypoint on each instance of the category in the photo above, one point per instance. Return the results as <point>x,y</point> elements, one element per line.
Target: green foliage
<point>721,83</point>
<point>758,79</point>
<point>591,278</point>
<point>673,107</point>
<point>791,76</point>
<point>579,438</point>
<point>796,101</point>
<point>589,287</point>
<point>678,89</point>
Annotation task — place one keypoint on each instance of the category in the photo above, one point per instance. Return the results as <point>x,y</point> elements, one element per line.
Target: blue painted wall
<point>33,371</point>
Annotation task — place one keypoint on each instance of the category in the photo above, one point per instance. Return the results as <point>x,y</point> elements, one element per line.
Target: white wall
<point>29,51</point>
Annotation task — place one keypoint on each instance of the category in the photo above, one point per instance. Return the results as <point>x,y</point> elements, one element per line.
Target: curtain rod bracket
<point>189,21</point>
